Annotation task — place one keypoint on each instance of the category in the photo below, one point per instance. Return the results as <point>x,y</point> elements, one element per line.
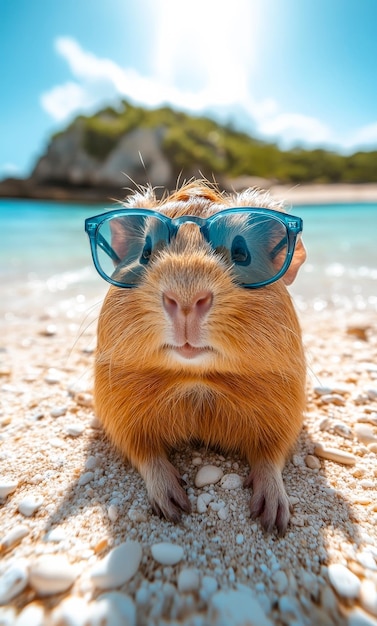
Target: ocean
<point>45,257</point>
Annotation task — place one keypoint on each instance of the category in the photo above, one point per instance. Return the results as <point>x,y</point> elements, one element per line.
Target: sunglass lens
<point>125,245</point>
<point>255,244</point>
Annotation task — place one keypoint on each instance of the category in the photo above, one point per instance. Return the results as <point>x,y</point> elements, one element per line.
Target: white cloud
<point>364,137</point>
<point>220,81</point>
<point>64,100</point>
<point>9,169</point>
<point>295,127</point>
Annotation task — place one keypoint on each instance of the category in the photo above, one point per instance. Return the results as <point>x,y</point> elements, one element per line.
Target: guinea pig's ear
<point>298,259</point>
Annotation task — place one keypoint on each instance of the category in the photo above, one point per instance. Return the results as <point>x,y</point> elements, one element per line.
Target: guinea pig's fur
<point>188,355</point>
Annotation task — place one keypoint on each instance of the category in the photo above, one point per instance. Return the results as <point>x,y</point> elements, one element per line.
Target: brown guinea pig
<point>189,354</point>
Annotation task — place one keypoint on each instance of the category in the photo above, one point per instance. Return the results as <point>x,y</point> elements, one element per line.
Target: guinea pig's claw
<point>172,506</point>
<point>269,501</point>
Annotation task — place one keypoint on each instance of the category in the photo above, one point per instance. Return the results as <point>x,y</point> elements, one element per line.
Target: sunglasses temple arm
<point>107,248</point>
<point>279,246</point>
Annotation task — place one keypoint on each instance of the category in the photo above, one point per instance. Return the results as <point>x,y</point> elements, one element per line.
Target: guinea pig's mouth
<point>187,351</point>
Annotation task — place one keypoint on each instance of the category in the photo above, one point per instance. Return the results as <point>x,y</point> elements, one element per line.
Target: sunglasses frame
<point>292,224</point>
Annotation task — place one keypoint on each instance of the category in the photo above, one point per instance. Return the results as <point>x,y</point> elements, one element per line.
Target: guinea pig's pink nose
<point>200,304</point>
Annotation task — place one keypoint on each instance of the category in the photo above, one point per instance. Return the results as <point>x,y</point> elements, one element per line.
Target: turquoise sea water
<point>45,256</point>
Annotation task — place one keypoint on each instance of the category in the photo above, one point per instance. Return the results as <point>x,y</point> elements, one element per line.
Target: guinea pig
<point>188,352</point>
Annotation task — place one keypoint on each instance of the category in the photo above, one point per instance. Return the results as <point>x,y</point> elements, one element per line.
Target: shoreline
<point>295,194</point>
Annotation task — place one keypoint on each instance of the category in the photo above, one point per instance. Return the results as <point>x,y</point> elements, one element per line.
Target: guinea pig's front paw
<point>269,500</point>
<point>166,494</point>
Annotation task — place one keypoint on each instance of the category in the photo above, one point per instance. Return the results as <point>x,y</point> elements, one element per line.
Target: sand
<point>80,500</point>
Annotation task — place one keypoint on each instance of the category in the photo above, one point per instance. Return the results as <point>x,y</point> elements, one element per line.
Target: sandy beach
<point>69,500</point>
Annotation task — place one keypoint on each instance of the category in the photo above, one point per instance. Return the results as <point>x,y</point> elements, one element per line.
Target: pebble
<point>84,399</point>
<point>365,433</point>
<point>13,537</point>
<point>334,454</point>
<point>312,462</point>
<point>197,461</point>
<point>118,566</point>
<point>281,581</point>
<point>333,398</point>
<point>167,553</point>
<point>231,481</point>
<point>368,596</point>
<point>237,608</point>
<point>58,411</point>
<point>113,512</point>
<point>223,513</point>
<point>357,617</point>
<point>32,615</point>
<point>51,574</point>
<point>343,430</point>
<point>202,502</point>
<point>53,376</point>
<point>188,580</point>
<point>7,487</point>
<point>208,475</point>
<point>208,587</point>
<point>85,478</point>
<point>75,429</point>
<point>49,330</point>
<point>112,609</point>
<point>30,505</point>
<point>345,583</point>
<point>13,581</point>
<point>72,611</point>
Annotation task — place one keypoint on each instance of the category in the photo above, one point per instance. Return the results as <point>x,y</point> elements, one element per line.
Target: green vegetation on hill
<point>199,143</point>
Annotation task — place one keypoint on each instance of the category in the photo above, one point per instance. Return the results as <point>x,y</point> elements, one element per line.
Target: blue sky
<point>292,71</point>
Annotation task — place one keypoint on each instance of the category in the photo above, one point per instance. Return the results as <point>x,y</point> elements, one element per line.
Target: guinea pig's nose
<point>199,304</point>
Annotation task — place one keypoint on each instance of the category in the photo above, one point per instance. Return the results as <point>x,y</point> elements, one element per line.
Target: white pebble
<point>113,513</point>
<point>202,502</point>
<point>357,617</point>
<point>13,537</point>
<point>58,411</point>
<point>281,581</point>
<point>118,566</point>
<point>237,608</point>
<point>343,430</point>
<point>84,399</point>
<point>312,462</point>
<point>75,429</point>
<point>167,553</point>
<point>209,586</point>
<point>91,463</point>
<point>56,535</point>
<point>368,596</point>
<point>239,539</point>
<point>72,611</point>
<point>7,487</point>
<point>32,615</point>
<point>197,461</point>
<point>30,505</point>
<point>53,376</point>
<point>223,513</point>
<point>365,433</point>
<point>188,580</point>
<point>13,581</point>
<point>334,454</point>
<point>345,583</point>
<point>113,609</point>
<point>86,478</point>
<point>51,574</point>
<point>372,393</point>
<point>231,481</point>
<point>208,475</point>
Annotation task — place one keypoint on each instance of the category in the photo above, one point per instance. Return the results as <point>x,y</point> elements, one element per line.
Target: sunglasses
<point>256,243</point>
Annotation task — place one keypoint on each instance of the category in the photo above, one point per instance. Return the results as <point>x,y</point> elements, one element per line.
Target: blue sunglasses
<point>258,244</point>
